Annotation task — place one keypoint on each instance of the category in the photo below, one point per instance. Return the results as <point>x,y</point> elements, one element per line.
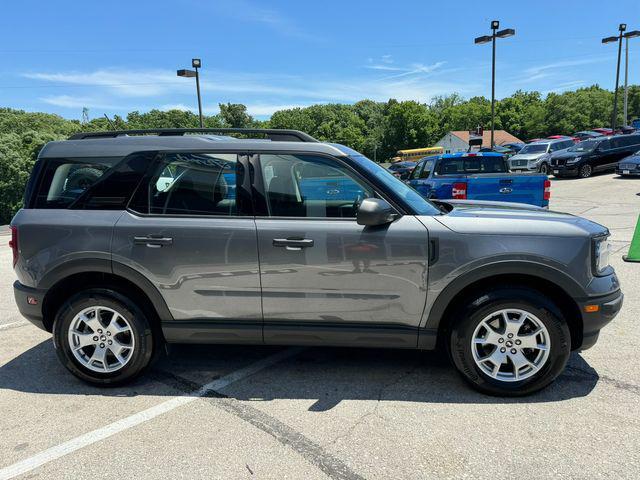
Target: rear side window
<point>64,180</point>
<point>428,166</point>
<point>471,165</point>
<point>190,184</point>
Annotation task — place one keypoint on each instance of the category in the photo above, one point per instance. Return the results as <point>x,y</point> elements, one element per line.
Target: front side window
<point>190,184</point>
<point>426,171</point>
<point>310,186</point>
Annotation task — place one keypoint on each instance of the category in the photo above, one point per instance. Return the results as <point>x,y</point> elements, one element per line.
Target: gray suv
<point>128,240</point>
<point>536,156</point>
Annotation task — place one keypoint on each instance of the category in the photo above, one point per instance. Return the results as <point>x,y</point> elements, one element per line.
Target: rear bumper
<point>592,322</point>
<point>29,302</point>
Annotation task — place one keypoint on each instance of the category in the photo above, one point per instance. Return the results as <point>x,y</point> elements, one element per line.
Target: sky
<point>117,56</point>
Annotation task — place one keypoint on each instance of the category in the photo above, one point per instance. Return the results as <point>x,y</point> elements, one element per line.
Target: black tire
<point>140,330</point>
<point>585,171</point>
<point>485,303</point>
<point>83,178</point>
<point>544,168</point>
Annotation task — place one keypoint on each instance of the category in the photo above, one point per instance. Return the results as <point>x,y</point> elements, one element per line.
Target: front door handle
<point>153,241</point>
<point>293,244</point>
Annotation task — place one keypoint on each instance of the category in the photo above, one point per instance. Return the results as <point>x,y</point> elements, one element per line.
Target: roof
<point>471,154</point>
<point>500,137</point>
<point>125,145</point>
<point>414,150</point>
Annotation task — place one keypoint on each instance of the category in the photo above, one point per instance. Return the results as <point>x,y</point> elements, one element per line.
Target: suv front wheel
<point>510,342</point>
<point>102,337</point>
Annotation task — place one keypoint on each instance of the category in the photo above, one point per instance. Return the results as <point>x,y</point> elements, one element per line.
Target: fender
<point>86,265</point>
<point>507,267</point>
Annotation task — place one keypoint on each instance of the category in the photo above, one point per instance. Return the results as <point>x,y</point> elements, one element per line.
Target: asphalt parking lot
<point>257,412</point>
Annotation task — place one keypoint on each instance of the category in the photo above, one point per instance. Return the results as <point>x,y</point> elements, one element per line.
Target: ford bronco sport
<point>131,239</point>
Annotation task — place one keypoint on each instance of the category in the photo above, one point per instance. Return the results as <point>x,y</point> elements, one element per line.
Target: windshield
<point>584,146</point>
<point>534,148</point>
<point>408,194</point>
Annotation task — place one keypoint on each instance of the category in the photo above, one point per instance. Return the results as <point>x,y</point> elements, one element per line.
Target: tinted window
<point>471,165</point>
<point>310,186</point>
<point>190,184</point>
<point>428,166</point>
<point>65,180</point>
<point>534,148</point>
<point>415,173</point>
<point>634,139</point>
<point>604,145</point>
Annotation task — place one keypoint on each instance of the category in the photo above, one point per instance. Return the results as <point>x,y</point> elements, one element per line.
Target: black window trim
<point>242,213</point>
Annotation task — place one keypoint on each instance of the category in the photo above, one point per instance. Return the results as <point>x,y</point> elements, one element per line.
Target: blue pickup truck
<point>478,176</point>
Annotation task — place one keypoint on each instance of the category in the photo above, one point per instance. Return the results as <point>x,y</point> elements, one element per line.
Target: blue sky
<point>117,56</point>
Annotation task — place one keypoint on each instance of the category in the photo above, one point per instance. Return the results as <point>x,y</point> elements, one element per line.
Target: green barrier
<point>634,249</point>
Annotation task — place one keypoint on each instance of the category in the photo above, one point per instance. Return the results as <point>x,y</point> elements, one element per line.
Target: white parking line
<point>107,431</point>
<point>7,325</point>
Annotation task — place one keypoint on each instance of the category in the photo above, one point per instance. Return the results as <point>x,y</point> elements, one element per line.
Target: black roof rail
<point>273,134</point>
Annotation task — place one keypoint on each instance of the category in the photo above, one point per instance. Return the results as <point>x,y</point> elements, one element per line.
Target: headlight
<point>601,254</point>
<point>574,160</point>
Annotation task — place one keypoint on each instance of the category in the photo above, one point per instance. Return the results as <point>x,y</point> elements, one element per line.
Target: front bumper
<point>592,322</point>
<point>565,170</point>
<point>29,302</point>
<point>624,172</point>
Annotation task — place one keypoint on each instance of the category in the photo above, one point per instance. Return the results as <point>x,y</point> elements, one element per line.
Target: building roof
<point>500,137</point>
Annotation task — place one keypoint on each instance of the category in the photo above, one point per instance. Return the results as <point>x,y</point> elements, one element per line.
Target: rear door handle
<point>294,244</point>
<point>153,241</point>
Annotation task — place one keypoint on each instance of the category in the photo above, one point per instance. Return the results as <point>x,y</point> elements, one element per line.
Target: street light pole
<point>195,63</point>
<point>626,78</point>
<point>507,32</point>
<point>494,27</point>
<point>614,117</point>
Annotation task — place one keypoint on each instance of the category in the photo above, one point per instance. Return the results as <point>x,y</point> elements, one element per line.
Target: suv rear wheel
<point>511,342</point>
<point>102,337</point>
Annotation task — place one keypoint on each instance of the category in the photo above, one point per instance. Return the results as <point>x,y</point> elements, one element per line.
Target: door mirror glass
<point>375,211</point>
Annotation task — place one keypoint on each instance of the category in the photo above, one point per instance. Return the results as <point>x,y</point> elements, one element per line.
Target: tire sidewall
<point>523,299</point>
<point>544,168</point>
<point>141,332</point>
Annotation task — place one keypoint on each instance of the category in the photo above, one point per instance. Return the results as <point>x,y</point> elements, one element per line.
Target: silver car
<point>128,240</point>
<point>535,157</point>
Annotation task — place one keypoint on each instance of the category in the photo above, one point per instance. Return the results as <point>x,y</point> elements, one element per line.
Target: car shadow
<point>325,375</point>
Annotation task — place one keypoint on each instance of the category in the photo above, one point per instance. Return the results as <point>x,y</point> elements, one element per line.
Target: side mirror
<point>375,211</point>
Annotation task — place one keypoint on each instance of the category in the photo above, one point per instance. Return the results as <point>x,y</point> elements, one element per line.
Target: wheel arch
<point>555,285</point>
<point>77,276</point>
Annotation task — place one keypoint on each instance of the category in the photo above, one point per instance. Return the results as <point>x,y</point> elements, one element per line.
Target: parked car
<point>477,176</point>
<point>629,165</point>
<point>156,249</point>
<point>504,151</point>
<point>402,169</point>
<point>535,157</point>
<point>604,131</point>
<point>595,155</point>
<point>563,137</point>
<point>586,134</point>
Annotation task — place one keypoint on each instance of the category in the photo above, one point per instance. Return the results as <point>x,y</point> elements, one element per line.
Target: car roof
<point>469,154</point>
<point>125,145</point>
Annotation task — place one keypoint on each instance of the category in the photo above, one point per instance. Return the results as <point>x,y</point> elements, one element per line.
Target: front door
<point>187,230</point>
<point>326,279</point>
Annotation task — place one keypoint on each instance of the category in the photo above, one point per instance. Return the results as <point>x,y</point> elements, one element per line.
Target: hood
<point>503,218</point>
<point>565,154</point>
<point>527,156</point>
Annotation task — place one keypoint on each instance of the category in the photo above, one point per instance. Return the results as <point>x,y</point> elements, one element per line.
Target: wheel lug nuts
<point>518,342</point>
<point>510,335</point>
<point>513,351</point>
<point>102,345</point>
<point>502,350</point>
<point>99,330</point>
<point>109,342</point>
<point>109,333</point>
<point>95,339</point>
<point>501,340</point>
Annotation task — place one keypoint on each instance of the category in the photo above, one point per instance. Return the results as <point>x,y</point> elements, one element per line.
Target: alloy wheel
<point>101,339</point>
<point>510,345</point>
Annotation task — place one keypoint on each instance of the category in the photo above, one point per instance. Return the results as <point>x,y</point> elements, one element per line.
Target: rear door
<point>189,229</point>
<point>326,279</point>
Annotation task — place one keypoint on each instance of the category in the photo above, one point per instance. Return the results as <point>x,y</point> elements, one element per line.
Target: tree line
<point>377,129</point>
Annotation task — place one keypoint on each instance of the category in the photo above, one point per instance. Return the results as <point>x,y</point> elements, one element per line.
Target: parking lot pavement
<point>330,413</point>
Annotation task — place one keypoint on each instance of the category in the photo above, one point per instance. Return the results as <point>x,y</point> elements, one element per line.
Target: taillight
<point>13,243</point>
<point>459,191</point>
<point>547,190</point>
